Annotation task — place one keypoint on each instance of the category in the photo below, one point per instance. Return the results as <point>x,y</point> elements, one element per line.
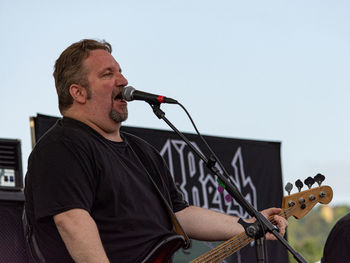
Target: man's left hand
<point>281,222</point>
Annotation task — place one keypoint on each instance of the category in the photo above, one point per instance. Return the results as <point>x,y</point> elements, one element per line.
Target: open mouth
<point>119,96</point>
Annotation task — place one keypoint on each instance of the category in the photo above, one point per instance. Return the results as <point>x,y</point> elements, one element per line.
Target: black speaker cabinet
<point>12,240</point>
<point>39,125</point>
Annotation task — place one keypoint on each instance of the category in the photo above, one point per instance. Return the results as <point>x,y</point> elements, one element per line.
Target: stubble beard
<point>119,117</point>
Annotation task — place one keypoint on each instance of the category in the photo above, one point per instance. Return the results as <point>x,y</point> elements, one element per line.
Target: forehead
<point>99,60</point>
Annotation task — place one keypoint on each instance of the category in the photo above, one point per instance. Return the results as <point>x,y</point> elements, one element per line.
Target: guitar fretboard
<point>234,244</point>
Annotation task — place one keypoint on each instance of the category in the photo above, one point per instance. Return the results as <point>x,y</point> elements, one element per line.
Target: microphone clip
<point>157,110</point>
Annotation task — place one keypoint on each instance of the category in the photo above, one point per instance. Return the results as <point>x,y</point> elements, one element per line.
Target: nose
<point>121,80</point>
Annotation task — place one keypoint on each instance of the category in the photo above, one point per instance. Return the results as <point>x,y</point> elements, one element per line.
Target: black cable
<point>204,141</point>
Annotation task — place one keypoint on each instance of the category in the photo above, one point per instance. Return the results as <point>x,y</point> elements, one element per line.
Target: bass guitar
<point>297,205</point>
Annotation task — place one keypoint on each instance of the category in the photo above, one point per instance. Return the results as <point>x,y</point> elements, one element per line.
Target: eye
<point>107,74</point>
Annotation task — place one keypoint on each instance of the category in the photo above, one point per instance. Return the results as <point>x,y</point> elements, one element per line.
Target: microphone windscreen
<point>127,93</point>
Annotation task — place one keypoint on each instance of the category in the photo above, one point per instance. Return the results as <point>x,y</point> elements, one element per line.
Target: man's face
<point>105,84</point>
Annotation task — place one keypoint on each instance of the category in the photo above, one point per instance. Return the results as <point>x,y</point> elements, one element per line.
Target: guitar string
<point>247,240</point>
<point>243,240</point>
<point>240,241</point>
<point>286,213</point>
<point>213,255</point>
<point>228,251</point>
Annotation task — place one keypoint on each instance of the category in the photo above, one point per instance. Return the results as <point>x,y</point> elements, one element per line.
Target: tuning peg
<point>309,181</point>
<point>319,178</point>
<point>299,184</point>
<point>288,187</point>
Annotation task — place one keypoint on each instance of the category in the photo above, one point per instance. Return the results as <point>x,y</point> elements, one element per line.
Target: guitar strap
<point>176,224</point>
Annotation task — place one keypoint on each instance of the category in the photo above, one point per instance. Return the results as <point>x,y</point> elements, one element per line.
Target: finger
<point>274,210</point>
<point>282,224</point>
<point>271,211</point>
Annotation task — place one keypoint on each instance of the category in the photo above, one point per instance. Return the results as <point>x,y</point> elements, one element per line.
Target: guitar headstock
<point>299,204</point>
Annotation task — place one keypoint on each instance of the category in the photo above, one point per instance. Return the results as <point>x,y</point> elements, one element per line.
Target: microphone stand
<point>260,251</point>
<point>234,192</point>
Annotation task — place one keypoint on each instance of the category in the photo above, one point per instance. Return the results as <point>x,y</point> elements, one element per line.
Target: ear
<point>78,93</point>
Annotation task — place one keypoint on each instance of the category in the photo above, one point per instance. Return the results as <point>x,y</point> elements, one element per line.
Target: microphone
<point>130,94</point>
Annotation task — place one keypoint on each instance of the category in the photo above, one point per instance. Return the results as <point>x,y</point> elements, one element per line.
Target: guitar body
<point>164,250</point>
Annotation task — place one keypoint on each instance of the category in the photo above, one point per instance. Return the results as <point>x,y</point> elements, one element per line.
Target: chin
<point>118,117</point>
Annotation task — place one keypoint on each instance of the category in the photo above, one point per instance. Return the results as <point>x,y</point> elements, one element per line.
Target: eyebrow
<point>111,69</point>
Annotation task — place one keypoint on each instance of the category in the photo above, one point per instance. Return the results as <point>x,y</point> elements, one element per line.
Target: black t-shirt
<point>337,248</point>
<point>73,166</point>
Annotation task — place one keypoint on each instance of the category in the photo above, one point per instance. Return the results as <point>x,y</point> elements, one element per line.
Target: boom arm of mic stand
<point>230,188</point>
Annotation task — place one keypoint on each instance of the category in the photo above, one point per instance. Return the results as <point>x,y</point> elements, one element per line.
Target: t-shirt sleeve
<point>62,179</point>
<point>177,198</point>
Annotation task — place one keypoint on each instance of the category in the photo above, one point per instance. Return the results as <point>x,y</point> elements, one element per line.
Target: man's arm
<point>205,224</point>
<point>80,235</point>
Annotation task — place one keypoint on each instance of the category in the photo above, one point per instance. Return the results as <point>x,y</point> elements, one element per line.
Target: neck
<point>107,128</point>
<point>112,136</point>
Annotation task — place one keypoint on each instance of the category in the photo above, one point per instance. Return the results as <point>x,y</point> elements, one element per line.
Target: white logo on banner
<point>199,186</point>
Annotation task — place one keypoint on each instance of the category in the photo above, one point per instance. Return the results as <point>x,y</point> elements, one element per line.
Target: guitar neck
<point>297,205</point>
<point>232,245</point>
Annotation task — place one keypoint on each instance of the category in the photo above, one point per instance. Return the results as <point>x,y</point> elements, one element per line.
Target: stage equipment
<point>11,175</point>
<point>12,239</point>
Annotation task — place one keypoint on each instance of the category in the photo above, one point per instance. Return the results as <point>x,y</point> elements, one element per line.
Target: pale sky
<point>262,70</point>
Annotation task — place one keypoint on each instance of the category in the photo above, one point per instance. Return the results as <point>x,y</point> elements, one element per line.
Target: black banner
<point>254,167</point>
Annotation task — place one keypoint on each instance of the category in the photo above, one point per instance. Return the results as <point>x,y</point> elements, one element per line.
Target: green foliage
<point>309,234</point>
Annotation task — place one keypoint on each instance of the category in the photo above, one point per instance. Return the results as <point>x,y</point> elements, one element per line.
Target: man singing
<point>89,191</point>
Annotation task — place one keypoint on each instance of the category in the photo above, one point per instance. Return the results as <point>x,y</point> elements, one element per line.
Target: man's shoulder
<point>67,131</point>
<point>343,225</point>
